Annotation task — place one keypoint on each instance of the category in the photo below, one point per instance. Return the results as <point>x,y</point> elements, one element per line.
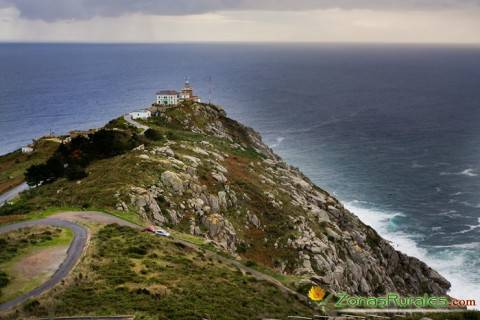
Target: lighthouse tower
<point>187,92</point>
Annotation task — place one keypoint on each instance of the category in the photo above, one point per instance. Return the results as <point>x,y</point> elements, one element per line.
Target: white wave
<point>456,194</point>
<point>467,172</point>
<point>470,228</point>
<point>416,165</point>
<point>450,214</point>
<point>448,261</point>
<point>468,246</point>
<point>471,205</point>
<point>278,141</point>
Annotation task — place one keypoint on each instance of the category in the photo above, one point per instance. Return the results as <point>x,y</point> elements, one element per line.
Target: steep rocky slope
<point>235,191</point>
<point>199,172</point>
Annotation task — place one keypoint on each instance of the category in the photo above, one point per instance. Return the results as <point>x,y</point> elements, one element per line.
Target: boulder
<point>172,180</point>
<point>219,177</point>
<point>253,219</point>
<point>214,203</point>
<point>222,199</point>
<point>200,151</point>
<point>221,231</point>
<point>144,157</point>
<point>147,205</point>
<point>165,151</point>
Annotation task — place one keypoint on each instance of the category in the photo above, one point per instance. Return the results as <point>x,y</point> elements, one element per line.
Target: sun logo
<point>316,294</point>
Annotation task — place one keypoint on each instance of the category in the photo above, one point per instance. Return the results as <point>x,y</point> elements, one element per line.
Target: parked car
<point>151,229</point>
<point>162,233</point>
<point>157,231</point>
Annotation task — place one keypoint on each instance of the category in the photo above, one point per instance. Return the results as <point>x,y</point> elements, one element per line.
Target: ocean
<point>393,131</point>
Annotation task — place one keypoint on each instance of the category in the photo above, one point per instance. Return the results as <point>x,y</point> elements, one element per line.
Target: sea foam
<point>467,172</point>
<point>449,261</point>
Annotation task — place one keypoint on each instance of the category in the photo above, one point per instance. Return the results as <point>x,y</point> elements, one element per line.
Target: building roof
<point>167,92</point>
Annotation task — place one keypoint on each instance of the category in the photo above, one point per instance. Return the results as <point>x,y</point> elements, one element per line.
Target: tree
<point>37,174</point>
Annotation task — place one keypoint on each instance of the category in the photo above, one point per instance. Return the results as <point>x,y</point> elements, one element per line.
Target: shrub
<point>75,172</point>
<point>153,134</point>
<point>71,159</point>
<point>19,206</point>
<point>172,136</point>
<point>250,263</point>
<point>4,280</point>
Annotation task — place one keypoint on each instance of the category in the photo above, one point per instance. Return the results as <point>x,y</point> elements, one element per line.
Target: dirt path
<point>43,261</point>
<point>33,268</point>
<point>134,123</point>
<point>12,193</point>
<point>92,217</point>
<point>257,274</point>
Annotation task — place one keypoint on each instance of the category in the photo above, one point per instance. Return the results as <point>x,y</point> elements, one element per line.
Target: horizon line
<point>470,44</point>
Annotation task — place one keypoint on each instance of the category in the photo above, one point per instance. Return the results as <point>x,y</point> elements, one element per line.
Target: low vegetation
<point>129,272</point>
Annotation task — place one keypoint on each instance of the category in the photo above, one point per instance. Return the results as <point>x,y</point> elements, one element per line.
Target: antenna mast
<point>210,89</point>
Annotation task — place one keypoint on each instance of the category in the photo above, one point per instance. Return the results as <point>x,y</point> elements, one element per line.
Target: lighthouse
<point>187,92</point>
<point>172,97</point>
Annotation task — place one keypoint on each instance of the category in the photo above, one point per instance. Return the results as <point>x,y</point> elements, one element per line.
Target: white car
<point>162,233</point>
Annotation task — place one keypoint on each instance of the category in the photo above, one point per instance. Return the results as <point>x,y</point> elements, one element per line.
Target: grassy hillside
<point>130,272</point>
<point>200,173</point>
<point>14,164</point>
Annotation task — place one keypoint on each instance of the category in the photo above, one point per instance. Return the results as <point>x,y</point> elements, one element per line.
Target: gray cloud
<point>52,10</point>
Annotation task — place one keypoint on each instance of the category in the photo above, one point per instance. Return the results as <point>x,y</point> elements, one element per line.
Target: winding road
<point>73,254</point>
<point>81,234</point>
<point>12,193</point>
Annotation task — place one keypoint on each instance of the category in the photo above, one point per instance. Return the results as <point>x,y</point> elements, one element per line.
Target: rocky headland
<point>199,172</point>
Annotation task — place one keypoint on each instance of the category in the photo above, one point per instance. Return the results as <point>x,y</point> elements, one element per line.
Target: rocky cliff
<point>216,178</point>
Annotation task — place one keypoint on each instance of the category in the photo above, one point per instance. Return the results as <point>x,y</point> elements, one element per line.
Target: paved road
<point>12,193</point>
<point>93,217</point>
<point>73,254</point>
<point>134,123</point>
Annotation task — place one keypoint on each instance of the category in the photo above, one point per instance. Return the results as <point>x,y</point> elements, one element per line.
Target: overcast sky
<point>424,21</point>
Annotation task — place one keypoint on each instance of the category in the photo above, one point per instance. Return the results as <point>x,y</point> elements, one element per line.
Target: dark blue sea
<point>391,130</point>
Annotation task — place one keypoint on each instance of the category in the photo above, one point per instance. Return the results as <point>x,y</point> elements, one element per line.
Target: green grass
<point>130,216</point>
<point>127,272</point>
<point>36,215</point>
<point>16,243</point>
<point>287,279</point>
<point>106,177</point>
<point>199,241</point>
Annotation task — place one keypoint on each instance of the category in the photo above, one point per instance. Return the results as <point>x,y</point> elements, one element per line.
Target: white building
<point>140,114</point>
<point>27,149</point>
<point>167,97</point>
<point>173,97</point>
